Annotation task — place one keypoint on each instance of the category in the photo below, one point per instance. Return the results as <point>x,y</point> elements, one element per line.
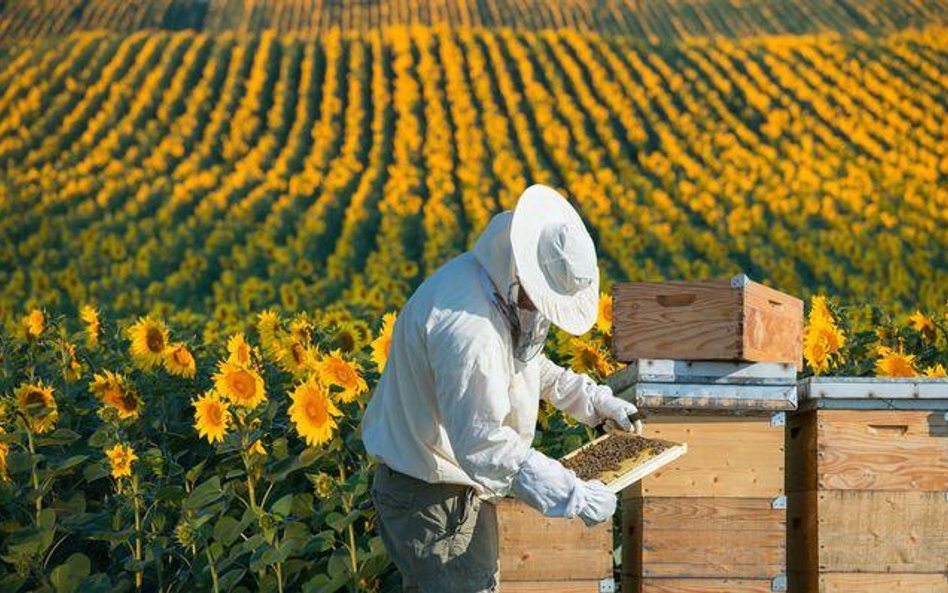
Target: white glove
<point>600,503</point>
<point>616,412</point>
<point>547,486</point>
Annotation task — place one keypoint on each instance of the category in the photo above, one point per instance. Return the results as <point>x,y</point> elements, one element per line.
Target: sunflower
<point>333,369</point>
<point>297,358</point>
<point>936,370</point>
<point>349,336</point>
<point>4,449</point>
<point>121,457</point>
<point>179,361</point>
<point>922,323</point>
<point>238,350</point>
<point>823,340</point>
<point>258,449</point>
<point>149,342</point>
<point>33,324</point>
<point>241,385</point>
<point>37,404</point>
<point>90,317</point>
<point>892,363</point>
<point>312,412</point>
<point>72,368</point>
<point>268,326</point>
<point>323,484</point>
<point>211,416</point>
<point>301,328</point>
<point>113,390</point>
<point>604,319</point>
<point>586,357</point>
<point>382,344</point>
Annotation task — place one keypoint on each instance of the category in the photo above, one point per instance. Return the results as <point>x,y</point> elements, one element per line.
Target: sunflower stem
<point>350,530</point>
<point>210,565</point>
<point>136,504</point>
<point>33,474</point>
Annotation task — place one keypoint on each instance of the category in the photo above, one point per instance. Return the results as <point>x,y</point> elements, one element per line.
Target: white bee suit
<point>455,406</point>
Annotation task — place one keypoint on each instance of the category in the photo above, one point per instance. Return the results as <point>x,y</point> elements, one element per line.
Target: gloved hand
<point>547,486</point>
<point>600,503</point>
<point>616,412</point>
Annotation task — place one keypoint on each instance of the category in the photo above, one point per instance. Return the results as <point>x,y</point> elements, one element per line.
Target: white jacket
<point>453,404</point>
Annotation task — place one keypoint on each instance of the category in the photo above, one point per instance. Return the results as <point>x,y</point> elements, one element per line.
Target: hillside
<point>651,20</point>
<point>222,174</point>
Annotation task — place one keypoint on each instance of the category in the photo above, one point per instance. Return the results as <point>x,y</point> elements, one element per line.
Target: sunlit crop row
<point>652,20</point>
<point>216,175</point>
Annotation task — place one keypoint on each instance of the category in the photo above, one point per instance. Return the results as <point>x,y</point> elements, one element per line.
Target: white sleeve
<point>471,386</point>
<point>568,391</point>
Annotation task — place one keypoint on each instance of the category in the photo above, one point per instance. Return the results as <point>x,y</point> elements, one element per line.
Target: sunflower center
<point>155,340</point>
<point>214,415</point>
<point>181,357</point>
<point>316,410</point>
<point>35,398</point>
<point>243,384</point>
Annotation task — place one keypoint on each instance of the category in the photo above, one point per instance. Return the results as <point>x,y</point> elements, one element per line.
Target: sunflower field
<point>210,213</point>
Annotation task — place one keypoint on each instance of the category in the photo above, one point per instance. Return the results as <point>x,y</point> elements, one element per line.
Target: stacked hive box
<point>867,477</point>
<point>541,554</point>
<point>715,519</point>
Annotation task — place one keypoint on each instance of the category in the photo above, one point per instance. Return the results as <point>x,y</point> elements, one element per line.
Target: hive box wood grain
<point>733,319</point>
<point>714,520</point>
<point>867,477</point>
<point>565,555</point>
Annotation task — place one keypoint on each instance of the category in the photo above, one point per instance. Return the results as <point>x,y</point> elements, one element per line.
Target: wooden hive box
<point>715,519</point>
<point>867,483</point>
<point>732,319</point>
<point>541,554</point>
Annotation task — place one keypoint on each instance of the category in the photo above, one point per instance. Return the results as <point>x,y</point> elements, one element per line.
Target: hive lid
<point>897,393</point>
<point>664,370</point>
<point>635,468</point>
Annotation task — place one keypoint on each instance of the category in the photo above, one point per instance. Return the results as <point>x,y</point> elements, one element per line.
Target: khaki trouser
<point>442,537</point>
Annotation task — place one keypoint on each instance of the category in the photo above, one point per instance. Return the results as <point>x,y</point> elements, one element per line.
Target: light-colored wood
<point>882,531</point>
<point>634,469</point>
<point>882,450</point>
<point>883,583</point>
<point>649,585</point>
<point>727,456</point>
<point>773,326</point>
<point>534,547</point>
<point>587,586</point>
<point>706,537</point>
<point>706,320</point>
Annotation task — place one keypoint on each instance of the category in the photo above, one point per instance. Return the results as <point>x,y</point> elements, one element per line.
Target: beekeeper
<point>452,420</point>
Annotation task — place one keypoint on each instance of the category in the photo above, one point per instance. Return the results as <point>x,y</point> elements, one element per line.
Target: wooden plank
<point>535,547</point>
<point>727,456</point>
<point>587,586</point>
<point>707,537</point>
<point>883,388</point>
<point>660,585</point>
<point>882,450</point>
<point>686,320</point>
<point>882,531</point>
<point>773,325</point>
<point>879,582</point>
<point>801,451</point>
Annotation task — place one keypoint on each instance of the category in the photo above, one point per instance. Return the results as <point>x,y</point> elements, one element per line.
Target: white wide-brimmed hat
<point>555,259</point>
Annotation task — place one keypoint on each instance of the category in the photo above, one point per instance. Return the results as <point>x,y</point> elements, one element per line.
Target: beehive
<point>736,320</point>
<point>541,554</point>
<point>715,519</point>
<point>867,484</point>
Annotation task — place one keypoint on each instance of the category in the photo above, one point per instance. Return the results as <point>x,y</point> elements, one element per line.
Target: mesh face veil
<point>527,328</point>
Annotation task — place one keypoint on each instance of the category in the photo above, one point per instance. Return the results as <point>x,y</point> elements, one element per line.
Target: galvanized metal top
<point>903,393</point>
<point>661,370</point>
